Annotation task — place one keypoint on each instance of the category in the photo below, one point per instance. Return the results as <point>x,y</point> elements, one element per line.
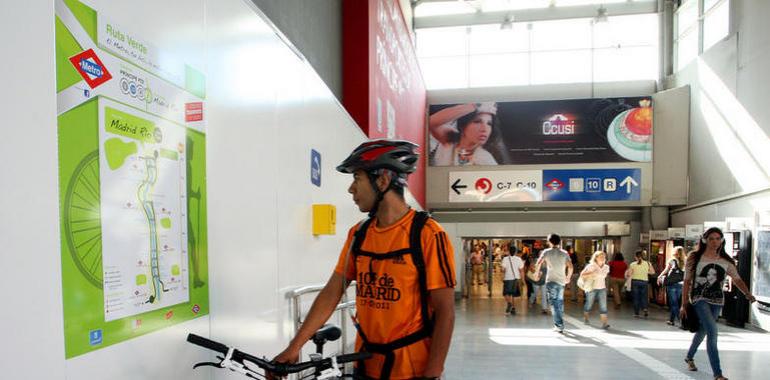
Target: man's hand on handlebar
<point>288,356</point>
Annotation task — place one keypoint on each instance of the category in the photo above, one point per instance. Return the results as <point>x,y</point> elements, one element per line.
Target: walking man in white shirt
<point>559,270</point>
<point>513,275</point>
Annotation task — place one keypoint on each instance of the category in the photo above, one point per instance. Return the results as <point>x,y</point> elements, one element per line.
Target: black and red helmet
<point>396,155</point>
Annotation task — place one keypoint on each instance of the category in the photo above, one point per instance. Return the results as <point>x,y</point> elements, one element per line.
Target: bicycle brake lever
<point>205,364</point>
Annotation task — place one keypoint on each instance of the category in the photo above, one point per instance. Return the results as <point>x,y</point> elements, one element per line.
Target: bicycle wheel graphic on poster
<point>82,219</point>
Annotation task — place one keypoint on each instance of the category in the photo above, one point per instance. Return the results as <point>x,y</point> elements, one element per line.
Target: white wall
<point>30,276</point>
<point>315,28</point>
<point>730,120</point>
<point>730,124</point>
<point>267,111</point>
<point>266,108</point>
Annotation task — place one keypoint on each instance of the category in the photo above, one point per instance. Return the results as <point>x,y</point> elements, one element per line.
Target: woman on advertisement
<point>464,134</point>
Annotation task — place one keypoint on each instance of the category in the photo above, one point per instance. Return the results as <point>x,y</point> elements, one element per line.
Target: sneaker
<point>508,308</point>
<point>670,323</point>
<point>544,312</point>
<point>586,321</point>
<point>558,329</point>
<point>690,364</point>
<point>720,377</point>
<point>513,311</point>
<point>646,314</point>
<point>636,316</point>
<point>606,326</point>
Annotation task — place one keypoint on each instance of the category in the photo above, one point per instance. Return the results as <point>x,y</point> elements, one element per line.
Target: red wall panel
<point>382,86</point>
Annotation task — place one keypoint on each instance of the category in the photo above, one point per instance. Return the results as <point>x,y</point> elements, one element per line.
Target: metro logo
<point>91,68</point>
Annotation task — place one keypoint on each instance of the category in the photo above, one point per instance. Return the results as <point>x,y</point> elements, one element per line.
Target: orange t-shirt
<point>388,302</point>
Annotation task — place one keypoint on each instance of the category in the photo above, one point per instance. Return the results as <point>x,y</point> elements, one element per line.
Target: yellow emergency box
<point>324,219</point>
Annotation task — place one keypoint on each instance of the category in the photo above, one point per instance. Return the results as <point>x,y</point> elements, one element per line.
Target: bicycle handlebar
<point>280,369</point>
<point>207,343</point>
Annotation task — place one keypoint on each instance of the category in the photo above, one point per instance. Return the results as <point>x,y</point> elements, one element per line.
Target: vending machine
<point>738,246</point>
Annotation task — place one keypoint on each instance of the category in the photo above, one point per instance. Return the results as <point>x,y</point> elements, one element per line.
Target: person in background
<point>477,265</point>
<point>464,134</point>
<point>503,252</point>
<point>674,270</point>
<point>559,270</point>
<point>536,282</point>
<point>596,272</point>
<point>618,269</point>
<point>639,271</point>
<point>707,297</point>
<point>513,275</point>
<point>573,281</point>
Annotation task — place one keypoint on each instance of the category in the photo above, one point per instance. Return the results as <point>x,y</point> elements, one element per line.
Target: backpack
<point>415,250</point>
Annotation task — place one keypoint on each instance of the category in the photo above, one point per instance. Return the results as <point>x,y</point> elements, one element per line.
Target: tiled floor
<point>489,345</point>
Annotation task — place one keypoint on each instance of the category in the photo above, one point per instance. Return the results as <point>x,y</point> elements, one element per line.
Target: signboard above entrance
<point>592,185</point>
<point>496,186</point>
<point>566,185</point>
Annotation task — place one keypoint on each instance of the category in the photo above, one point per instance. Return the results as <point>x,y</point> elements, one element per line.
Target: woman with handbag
<point>673,278</point>
<point>592,281</point>
<point>706,270</point>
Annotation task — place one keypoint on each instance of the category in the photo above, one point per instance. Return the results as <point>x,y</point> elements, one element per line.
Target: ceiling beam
<point>537,14</point>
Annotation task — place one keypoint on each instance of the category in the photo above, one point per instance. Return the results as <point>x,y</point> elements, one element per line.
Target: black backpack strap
<point>383,256</point>
<point>415,246</point>
<point>360,235</point>
<point>415,249</point>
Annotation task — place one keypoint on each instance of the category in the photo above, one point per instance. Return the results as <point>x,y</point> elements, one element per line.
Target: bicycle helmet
<point>396,155</point>
<point>396,158</point>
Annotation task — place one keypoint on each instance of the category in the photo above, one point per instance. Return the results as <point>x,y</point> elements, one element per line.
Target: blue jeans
<point>639,293</point>
<point>556,299</point>
<point>674,296</point>
<point>596,294</point>
<point>708,314</point>
<point>539,289</point>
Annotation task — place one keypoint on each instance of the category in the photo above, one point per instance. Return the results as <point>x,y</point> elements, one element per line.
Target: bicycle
<point>243,363</point>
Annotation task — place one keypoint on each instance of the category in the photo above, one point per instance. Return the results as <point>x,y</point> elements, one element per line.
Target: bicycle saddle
<point>327,332</point>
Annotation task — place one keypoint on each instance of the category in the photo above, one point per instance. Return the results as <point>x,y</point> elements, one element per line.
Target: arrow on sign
<point>457,185</point>
<point>628,182</point>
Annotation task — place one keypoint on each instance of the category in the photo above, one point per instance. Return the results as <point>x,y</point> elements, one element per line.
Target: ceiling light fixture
<point>508,23</point>
<point>601,14</point>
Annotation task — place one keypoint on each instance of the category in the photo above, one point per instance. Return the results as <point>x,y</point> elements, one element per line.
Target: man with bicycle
<point>403,265</point>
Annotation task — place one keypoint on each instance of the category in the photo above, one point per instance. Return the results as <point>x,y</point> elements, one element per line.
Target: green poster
<point>132,154</point>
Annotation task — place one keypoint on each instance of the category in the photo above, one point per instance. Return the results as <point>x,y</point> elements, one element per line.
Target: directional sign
<point>496,186</point>
<point>592,185</point>
<point>315,167</point>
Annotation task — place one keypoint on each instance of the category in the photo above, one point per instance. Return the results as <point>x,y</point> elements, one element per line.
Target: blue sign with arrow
<point>315,167</point>
<point>592,185</point>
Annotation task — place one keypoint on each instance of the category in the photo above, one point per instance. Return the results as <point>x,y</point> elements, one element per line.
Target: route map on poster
<point>132,153</point>
<point>142,171</point>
